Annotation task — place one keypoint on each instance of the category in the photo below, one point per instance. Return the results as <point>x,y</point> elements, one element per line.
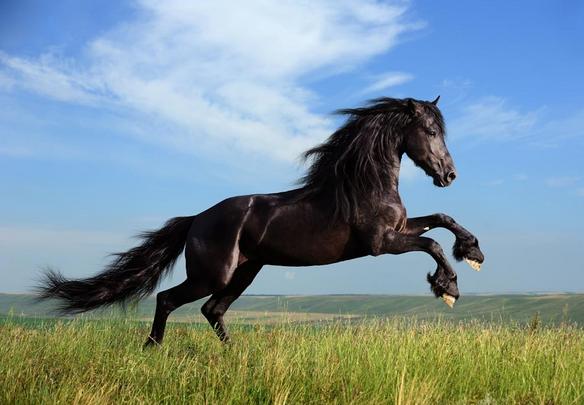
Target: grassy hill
<point>551,309</point>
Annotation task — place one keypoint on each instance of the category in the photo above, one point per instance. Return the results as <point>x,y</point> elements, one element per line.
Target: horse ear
<point>435,102</point>
<point>415,108</point>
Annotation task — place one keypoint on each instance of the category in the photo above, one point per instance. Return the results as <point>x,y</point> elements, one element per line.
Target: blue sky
<point>115,118</point>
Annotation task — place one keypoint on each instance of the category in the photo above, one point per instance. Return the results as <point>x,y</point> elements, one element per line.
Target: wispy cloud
<point>520,177</point>
<point>495,182</point>
<point>495,119</point>
<point>387,80</point>
<point>454,91</point>
<point>219,73</point>
<point>48,76</point>
<point>562,181</point>
<point>557,131</point>
<point>492,119</point>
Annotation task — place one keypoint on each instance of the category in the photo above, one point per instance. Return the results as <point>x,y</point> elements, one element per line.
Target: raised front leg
<point>443,281</point>
<point>466,247</point>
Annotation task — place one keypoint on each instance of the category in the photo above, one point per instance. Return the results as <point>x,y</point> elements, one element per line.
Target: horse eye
<point>432,132</point>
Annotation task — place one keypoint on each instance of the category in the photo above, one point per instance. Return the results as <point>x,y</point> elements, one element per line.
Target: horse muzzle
<point>445,179</point>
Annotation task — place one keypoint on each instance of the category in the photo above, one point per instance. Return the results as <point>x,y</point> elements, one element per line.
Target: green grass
<point>375,361</point>
<point>506,349</point>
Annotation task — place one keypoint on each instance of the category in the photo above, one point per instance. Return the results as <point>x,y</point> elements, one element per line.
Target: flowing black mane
<point>356,162</point>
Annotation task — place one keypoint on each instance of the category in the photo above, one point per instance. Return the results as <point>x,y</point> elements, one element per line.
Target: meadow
<point>342,359</point>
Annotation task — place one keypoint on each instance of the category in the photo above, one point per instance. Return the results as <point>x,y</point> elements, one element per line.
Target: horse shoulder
<point>390,215</point>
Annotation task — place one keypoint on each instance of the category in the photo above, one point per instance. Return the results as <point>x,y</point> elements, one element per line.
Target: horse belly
<point>295,243</point>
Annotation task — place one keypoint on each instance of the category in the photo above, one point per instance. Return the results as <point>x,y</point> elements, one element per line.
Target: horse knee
<point>207,308</point>
<point>163,303</point>
<point>444,219</point>
<point>435,248</point>
<point>211,310</point>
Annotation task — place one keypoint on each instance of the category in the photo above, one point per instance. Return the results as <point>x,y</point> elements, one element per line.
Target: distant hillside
<point>554,308</point>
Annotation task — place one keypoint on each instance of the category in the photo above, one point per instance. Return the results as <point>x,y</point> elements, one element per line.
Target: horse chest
<point>392,216</point>
<point>402,219</point>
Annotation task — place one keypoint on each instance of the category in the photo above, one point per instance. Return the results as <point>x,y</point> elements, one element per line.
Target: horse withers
<point>346,206</point>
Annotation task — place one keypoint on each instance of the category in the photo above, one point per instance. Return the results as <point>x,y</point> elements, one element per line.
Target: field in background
<point>550,308</point>
<point>525,349</point>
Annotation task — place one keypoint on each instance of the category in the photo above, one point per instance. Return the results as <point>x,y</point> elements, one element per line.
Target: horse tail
<point>131,275</point>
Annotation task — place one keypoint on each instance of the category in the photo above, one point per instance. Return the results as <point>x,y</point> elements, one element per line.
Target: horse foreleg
<point>466,247</point>
<point>217,305</point>
<point>443,282</point>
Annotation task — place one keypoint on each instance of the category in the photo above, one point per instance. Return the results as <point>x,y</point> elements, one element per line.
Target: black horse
<point>347,206</point>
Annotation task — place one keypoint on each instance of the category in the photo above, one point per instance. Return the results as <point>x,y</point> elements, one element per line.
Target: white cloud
<point>520,177</point>
<point>492,119</point>
<point>495,182</point>
<point>219,73</point>
<point>461,85</point>
<point>48,76</point>
<point>454,91</point>
<point>556,131</point>
<point>562,181</point>
<point>387,80</point>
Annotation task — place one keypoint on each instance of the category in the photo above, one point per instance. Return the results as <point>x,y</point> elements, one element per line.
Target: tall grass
<point>375,361</point>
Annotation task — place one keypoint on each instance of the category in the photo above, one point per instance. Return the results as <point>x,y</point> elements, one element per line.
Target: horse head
<point>424,142</point>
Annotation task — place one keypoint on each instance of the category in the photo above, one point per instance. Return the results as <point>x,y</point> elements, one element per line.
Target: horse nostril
<point>451,176</point>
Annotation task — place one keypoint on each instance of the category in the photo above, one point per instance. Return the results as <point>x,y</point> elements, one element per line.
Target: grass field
<point>364,354</point>
<point>379,361</point>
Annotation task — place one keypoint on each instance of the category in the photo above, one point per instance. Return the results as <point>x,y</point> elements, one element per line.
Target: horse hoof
<point>449,300</point>
<point>473,263</point>
<point>150,343</point>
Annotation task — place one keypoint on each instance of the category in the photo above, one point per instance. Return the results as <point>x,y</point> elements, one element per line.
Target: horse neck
<point>395,158</point>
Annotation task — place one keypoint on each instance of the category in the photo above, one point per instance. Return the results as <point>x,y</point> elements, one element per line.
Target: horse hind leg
<point>169,300</point>
<point>219,303</point>
<point>200,283</point>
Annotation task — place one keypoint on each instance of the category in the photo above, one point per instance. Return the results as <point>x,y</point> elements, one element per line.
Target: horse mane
<point>355,162</point>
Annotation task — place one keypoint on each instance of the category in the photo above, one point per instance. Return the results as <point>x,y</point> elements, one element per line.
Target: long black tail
<point>131,275</point>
